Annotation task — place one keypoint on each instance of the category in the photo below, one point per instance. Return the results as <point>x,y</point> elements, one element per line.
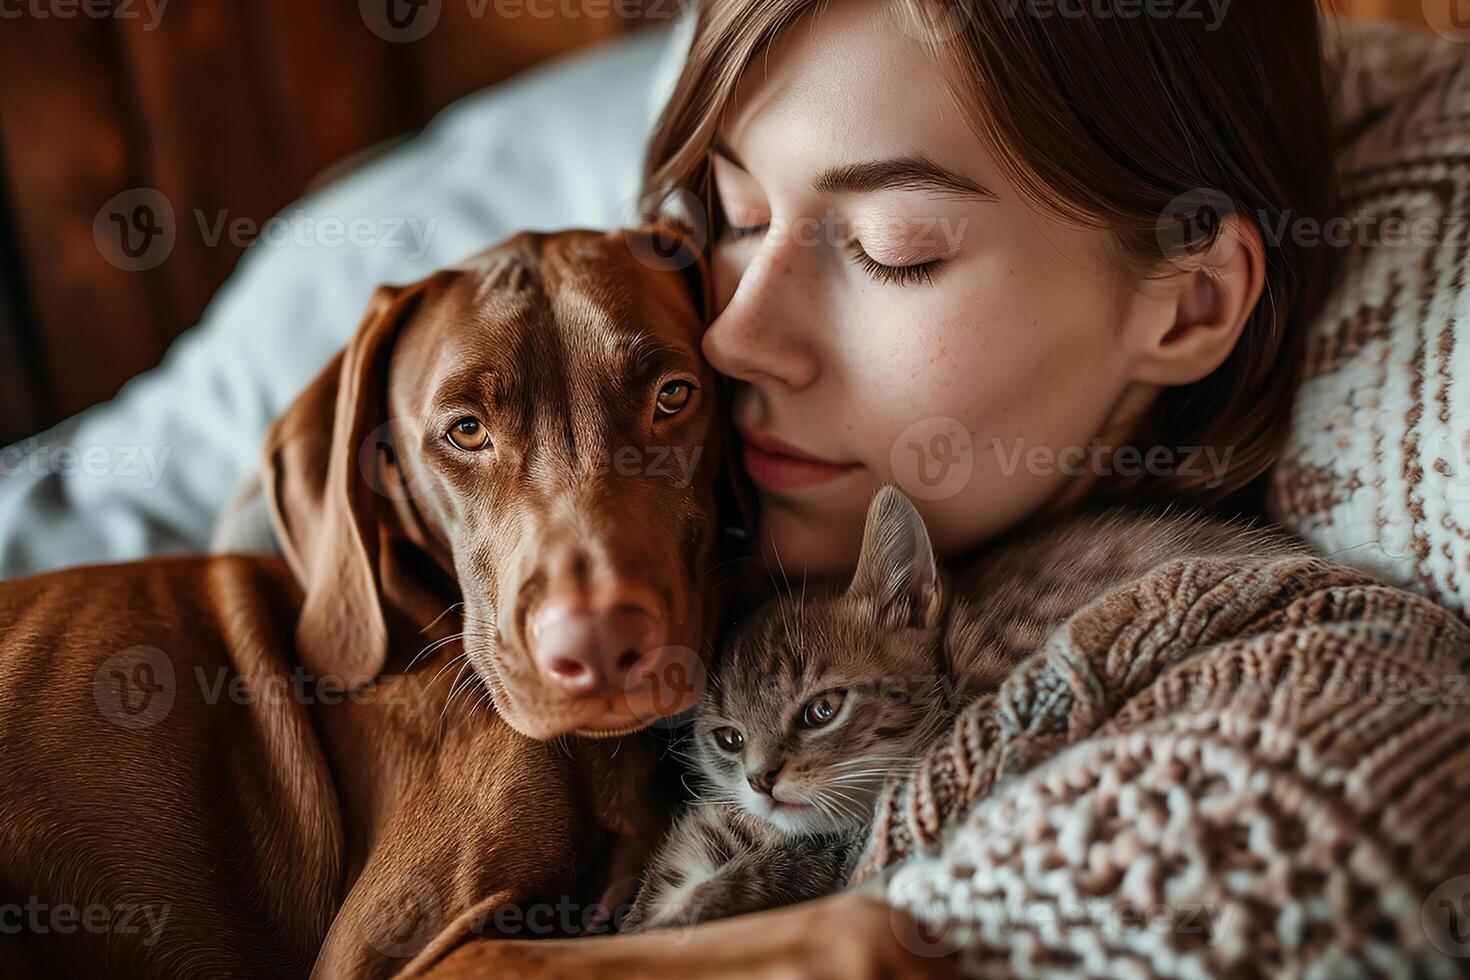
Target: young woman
<point>1011,255</point>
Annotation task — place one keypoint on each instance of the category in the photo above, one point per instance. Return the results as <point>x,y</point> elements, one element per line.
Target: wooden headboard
<point>225,107</point>
<point>229,107</point>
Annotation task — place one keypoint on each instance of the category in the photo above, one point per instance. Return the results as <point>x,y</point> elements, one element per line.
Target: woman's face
<point>892,310</point>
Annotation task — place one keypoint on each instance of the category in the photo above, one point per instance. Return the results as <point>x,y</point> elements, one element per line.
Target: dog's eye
<point>673,396</point>
<point>729,739</point>
<point>821,709</point>
<point>468,434</point>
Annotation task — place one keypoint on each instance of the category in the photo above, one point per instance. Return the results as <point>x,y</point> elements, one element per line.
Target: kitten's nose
<point>762,782</point>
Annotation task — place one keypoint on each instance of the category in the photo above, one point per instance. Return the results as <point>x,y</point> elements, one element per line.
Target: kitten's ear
<point>896,570</point>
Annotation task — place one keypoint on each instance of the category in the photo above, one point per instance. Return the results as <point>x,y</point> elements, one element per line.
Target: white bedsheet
<point>146,473</point>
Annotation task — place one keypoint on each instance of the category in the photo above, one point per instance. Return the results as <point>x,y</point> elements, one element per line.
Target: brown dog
<point>510,471</point>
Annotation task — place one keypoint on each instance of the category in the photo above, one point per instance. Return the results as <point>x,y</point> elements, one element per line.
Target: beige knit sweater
<point>1228,768</point>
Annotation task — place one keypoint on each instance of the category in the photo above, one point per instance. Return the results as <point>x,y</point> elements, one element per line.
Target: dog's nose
<point>589,652</point>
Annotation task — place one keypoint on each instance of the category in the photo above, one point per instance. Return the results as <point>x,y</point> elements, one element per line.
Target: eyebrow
<point>644,354</point>
<point>909,172</point>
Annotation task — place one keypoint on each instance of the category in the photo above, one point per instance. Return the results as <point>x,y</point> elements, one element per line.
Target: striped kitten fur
<point>815,700</point>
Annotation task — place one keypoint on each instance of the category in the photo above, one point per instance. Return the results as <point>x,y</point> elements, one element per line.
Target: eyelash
<point>902,275</point>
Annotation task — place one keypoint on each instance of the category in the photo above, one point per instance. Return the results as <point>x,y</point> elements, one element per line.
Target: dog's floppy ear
<point>325,510</point>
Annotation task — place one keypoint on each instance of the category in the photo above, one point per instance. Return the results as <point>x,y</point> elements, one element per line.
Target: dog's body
<point>269,765</point>
<point>275,766</point>
<point>166,764</point>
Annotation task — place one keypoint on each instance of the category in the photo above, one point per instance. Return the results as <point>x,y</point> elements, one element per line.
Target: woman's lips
<point>777,466</point>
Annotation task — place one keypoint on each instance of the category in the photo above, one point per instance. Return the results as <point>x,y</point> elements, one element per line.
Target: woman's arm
<point>844,937</point>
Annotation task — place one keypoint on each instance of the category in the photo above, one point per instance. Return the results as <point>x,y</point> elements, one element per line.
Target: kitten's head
<point>814,700</point>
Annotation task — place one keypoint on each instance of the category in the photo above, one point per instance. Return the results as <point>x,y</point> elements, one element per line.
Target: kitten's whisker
<point>867,765</point>
<point>859,809</point>
<point>873,771</point>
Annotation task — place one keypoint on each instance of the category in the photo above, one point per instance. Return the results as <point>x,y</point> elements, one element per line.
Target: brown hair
<point>1153,127</point>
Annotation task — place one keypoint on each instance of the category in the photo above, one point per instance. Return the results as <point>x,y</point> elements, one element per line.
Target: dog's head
<point>532,433</point>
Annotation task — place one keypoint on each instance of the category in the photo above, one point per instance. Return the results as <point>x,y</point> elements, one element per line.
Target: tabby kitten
<point>812,704</point>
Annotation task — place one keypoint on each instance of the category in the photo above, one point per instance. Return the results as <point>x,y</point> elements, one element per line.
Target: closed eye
<point>749,231</point>
<point>902,275</point>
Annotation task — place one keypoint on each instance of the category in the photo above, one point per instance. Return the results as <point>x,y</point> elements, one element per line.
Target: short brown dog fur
<point>164,756</point>
<point>179,798</point>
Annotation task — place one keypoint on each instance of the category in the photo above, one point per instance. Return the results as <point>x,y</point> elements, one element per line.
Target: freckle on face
<point>1002,342</point>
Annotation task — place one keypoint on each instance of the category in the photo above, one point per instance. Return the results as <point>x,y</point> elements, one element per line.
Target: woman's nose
<point>760,336</point>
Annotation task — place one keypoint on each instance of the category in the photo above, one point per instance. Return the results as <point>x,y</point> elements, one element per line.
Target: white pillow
<point>147,473</point>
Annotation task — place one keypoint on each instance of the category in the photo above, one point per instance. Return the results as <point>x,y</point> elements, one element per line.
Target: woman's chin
<point>811,541</point>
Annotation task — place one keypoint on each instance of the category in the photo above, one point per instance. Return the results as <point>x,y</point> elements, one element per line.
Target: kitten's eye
<point>729,739</point>
<point>673,396</point>
<point>468,434</point>
<point>821,709</point>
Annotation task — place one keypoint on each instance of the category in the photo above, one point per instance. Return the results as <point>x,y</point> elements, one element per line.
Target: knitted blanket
<point>1252,768</point>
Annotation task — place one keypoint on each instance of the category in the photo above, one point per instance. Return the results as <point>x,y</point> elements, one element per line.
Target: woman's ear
<point>1200,308</point>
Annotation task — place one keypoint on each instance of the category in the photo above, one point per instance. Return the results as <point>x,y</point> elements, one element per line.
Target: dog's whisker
<point>453,689</point>
<point>443,667</point>
<point>452,607</point>
<point>435,645</point>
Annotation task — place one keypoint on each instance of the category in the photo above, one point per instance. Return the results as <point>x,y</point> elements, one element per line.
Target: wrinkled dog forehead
<point>578,318</point>
<point>609,311</point>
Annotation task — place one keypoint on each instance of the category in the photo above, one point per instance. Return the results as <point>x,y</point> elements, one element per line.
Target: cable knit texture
<point>1226,767</point>
<point>1251,768</point>
<point>1377,468</point>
